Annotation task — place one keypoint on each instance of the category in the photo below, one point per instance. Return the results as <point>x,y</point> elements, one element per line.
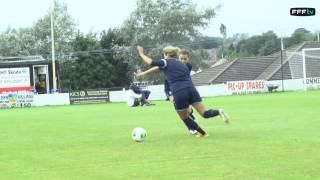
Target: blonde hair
<point>171,51</point>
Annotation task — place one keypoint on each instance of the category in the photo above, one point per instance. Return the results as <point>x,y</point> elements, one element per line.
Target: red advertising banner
<point>16,89</point>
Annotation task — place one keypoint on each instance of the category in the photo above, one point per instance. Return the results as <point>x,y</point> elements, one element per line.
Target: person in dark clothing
<point>184,92</point>
<point>184,56</point>
<point>144,94</point>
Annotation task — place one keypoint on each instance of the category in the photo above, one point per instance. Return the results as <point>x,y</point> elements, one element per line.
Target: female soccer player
<point>184,56</point>
<point>183,91</point>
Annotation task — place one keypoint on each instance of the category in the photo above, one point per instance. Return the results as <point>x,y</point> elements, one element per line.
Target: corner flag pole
<point>53,50</point>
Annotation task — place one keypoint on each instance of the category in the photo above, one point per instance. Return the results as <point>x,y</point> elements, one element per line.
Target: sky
<point>252,17</point>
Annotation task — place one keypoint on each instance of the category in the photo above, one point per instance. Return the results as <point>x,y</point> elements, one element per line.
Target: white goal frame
<point>304,65</point>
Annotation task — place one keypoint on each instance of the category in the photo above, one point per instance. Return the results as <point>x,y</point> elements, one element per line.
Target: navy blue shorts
<point>186,97</point>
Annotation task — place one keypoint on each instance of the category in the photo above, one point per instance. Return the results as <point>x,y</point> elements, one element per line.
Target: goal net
<point>306,65</point>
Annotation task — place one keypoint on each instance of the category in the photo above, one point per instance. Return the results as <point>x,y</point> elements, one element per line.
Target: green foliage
<point>18,42</point>
<point>119,57</point>
<point>165,21</point>
<point>206,42</point>
<point>157,23</point>
<point>265,44</point>
<point>110,60</point>
<point>86,70</point>
<point>89,62</point>
<point>64,30</point>
<point>223,30</point>
<point>257,45</point>
<point>298,36</point>
<point>36,40</point>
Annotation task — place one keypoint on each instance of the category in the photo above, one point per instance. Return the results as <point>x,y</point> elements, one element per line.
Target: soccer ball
<point>139,134</point>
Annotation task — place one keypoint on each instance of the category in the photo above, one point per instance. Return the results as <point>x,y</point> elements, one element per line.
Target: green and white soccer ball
<point>139,134</point>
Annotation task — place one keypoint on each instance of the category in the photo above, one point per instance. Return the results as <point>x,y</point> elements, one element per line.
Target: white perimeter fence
<point>157,92</point>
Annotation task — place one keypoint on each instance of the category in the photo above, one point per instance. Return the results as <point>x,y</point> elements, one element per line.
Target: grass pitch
<point>271,136</point>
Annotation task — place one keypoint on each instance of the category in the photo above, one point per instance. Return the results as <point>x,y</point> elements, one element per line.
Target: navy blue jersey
<point>166,83</point>
<point>176,73</point>
<point>135,89</point>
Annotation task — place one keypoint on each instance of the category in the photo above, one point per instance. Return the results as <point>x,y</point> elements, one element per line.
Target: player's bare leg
<point>224,116</point>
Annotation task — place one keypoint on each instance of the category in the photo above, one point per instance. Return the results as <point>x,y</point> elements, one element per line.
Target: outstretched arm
<point>151,70</point>
<point>145,58</point>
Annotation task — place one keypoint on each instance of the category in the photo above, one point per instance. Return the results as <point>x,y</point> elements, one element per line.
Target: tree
<point>96,62</point>
<point>206,42</point>
<point>165,21</point>
<point>260,45</point>
<point>17,42</point>
<point>271,44</point>
<point>8,42</point>
<point>223,32</point>
<point>118,56</point>
<point>85,69</point>
<point>64,30</point>
<point>298,36</point>
<point>157,23</point>
<point>36,40</point>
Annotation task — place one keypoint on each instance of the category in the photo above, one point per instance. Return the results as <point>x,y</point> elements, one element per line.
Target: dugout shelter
<point>31,73</point>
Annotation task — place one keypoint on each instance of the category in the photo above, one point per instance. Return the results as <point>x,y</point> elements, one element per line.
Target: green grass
<point>271,136</point>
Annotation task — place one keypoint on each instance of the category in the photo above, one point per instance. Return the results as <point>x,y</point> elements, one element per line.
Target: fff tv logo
<point>303,11</point>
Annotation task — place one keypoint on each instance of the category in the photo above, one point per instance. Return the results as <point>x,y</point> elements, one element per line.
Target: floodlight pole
<point>281,54</point>
<point>53,50</point>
